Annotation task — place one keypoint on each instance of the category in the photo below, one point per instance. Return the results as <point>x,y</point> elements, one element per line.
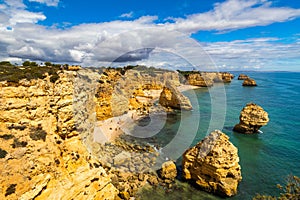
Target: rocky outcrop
<point>44,155</point>
<point>40,102</point>
<point>171,97</point>
<point>213,164</point>
<point>227,77</point>
<point>198,80</point>
<point>168,170</point>
<point>117,91</point>
<point>249,82</point>
<point>217,77</point>
<point>243,77</point>
<point>252,118</point>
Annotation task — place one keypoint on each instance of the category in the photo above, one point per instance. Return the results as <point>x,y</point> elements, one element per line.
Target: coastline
<point>109,129</point>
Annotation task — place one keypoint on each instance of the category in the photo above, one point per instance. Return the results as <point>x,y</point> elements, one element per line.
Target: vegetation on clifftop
<point>29,71</point>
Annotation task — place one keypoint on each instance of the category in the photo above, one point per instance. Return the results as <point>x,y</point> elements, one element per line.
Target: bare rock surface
<point>249,82</point>
<point>168,170</point>
<point>243,77</point>
<point>171,97</point>
<point>213,164</point>
<point>252,118</point>
<point>198,80</point>
<point>42,154</point>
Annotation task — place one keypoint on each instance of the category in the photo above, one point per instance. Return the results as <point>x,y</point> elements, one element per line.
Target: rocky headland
<point>62,131</point>
<point>45,157</point>
<point>207,79</point>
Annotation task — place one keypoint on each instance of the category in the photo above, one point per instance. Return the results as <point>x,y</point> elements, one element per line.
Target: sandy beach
<point>108,130</point>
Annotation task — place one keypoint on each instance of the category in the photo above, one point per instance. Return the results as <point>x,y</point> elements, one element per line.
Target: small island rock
<point>249,82</point>
<point>171,97</point>
<point>252,118</point>
<point>243,77</point>
<point>213,164</point>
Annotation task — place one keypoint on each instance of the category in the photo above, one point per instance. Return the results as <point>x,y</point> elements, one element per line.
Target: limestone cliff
<point>42,155</point>
<point>198,80</point>
<point>213,164</point>
<point>118,93</point>
<point>218,77</point>
<point>252,118</point>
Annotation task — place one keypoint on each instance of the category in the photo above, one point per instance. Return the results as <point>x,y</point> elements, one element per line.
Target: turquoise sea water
<point>266,159</point>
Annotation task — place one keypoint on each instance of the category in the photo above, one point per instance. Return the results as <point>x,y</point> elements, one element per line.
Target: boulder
<point>213,164</point>
<point>171,97</point>
<point>168,170</point>
<point>249,82</point>
<point>252,118</point>
<point>198,80</point>
<point>243,77</point>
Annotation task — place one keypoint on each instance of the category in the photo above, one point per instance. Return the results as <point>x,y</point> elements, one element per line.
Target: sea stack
<point>213,164</point>
<point>252,118</point>
<point>243,77</point>
<point>171,97</point>
<point>249,82</point>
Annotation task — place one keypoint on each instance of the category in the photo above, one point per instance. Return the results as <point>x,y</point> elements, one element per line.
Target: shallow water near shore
<point>266,159</point>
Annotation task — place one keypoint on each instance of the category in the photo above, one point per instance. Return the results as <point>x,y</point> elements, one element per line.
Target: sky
<point>214,35</point>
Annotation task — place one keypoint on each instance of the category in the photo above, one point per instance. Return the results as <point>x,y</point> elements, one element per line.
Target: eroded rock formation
<point>243,77</point>
<point>252,118</point>
<point>168,170</point>
<point>44,155</point>
<point>213,164</point>
<point>249,82</point>
<point>218,77</point>
<point>127,87</point>
<point>171,97</point>
<point>198,80</point>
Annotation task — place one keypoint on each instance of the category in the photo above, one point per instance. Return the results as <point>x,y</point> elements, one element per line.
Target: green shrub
<point>5,63</point>
<point>13,74</point>
<point>10,190</point>
<point>18,143</point>
<point>37,133</point>
<point>6,136</point>
<point>3,153</point>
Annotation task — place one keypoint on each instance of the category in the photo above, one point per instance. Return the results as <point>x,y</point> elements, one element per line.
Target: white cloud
<point>101,43</point>
<point>47,2</point>
<point>23,16</point>
<point>127,15</point>
<point>235,14</point>
<point>16,4</point>
<point>15,11</point>
<point>254,53</point>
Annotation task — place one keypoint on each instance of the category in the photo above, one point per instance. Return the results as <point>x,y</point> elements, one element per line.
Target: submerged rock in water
<point>213,164</point>
<point>171,97</point>
<point>252,118</point>
<point>249,82</point>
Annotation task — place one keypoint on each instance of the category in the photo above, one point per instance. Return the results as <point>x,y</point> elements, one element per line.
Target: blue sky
<point>233,34</point>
